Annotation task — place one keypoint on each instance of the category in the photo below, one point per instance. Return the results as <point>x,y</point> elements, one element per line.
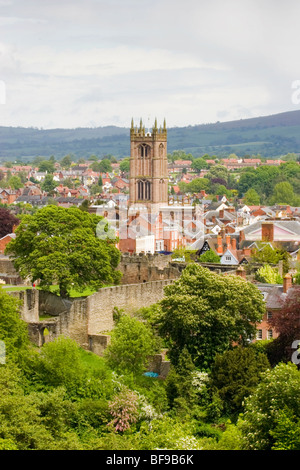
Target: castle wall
<point>29,309</point>
<point>84,319</point>
<point>126,297</point>
<point>8,273</point>
<point>144,268</point>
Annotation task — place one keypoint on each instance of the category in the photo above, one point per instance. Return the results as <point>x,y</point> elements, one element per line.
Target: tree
<point>13,330</point>
<point>66,162</point>
<point>48,184</point>
<point>199,164</point>
<point>283,193</point>
<point>47,166</point>
<point>105,166</point>
<point>125,165</point>
<point>7,222</point>
<point>15,182</point>
<point>235,375</point>
<point>268,275</point>
<point>132,342</point>
<point>286,322</point>
<point>58,246</point>
<point>207,312</point>
<point>252,198</point>
<point>267,254</point>
<point>209,257</point>
<point>274,402</point>
<point>180,390</point>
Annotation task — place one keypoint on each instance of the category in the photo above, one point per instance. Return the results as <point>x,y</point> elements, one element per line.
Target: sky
<point>95,63</point>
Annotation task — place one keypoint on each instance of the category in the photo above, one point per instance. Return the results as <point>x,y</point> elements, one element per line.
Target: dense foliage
<point>64,247</point>
<point>206,313</point>
<point>61,397</point>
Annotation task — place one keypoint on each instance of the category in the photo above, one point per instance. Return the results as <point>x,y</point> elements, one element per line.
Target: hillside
<point>270,136</point>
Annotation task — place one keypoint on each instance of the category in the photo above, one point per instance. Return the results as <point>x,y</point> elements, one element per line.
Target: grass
<point>54,289</point>
<point>15,288</point>
<point>73,293</point>
<point>91,360</point>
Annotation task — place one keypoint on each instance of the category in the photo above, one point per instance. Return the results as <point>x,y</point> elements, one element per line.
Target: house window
<point>269,334</point>
<point>228,258</point>
<point>269,315</point>
<point>259,334</point>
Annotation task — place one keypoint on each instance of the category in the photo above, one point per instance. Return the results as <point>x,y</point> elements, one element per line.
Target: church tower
<point>148,181</point>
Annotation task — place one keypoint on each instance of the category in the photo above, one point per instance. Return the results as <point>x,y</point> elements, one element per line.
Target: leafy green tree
<point>252,198</point>
<point>105,166</point>
<point>66,162</point>
<point>13,330</point>
<point>273,407</point>
<point>209,257</point>
<point>125,165</point>
<point>132,342</point>
<point>199,164</point>
<point>46,165</point>
<point>207,312</point>
<point>235,375</point>
<point>267,254</point>
<point>15,182</point>
<point>58,246</point>
<point>95,189</point>
<point>180,390</point>
<point>48,184</point>
<point>268,275</point>
<point>283,193</point>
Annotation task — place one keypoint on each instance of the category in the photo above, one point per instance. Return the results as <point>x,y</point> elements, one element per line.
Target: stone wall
<point>84,319</point>
<point>29,309</point>
<point>147,267</point>
<point>127,297</point>
<point>8,272</point>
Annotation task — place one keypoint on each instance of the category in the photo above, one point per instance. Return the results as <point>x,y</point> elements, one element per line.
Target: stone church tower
<point>148,180</point>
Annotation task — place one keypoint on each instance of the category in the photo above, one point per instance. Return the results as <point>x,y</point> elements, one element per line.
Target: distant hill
<point>270,136</point>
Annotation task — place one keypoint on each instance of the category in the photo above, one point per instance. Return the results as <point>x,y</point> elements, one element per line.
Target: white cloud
<point>71,63</point>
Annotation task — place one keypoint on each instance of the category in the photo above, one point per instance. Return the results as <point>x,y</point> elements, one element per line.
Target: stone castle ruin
<point>89,320</point>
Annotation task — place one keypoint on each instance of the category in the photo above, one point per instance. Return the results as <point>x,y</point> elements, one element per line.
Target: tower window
<point>144,190</point>
<point>144,151</point>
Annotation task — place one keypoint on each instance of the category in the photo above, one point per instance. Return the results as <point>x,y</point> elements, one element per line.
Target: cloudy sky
<point>90,63</point>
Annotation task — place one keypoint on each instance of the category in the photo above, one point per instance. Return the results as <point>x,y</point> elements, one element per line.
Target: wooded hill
<point>270,136</point>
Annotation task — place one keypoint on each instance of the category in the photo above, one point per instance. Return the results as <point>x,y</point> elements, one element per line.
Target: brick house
<point>4,241</point>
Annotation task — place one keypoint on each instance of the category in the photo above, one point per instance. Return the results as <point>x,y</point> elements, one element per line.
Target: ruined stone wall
<point>29,309</point>
<point>8,273</point>
<point>127,297</point>
<point>85,319</point>
<point>147,267</point>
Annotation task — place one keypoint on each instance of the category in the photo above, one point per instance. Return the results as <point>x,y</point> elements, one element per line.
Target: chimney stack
<point>287,282</point>
<point>220,246</point>
<point>233,243</point>
<point>228,244</point>
<point>267,231</point>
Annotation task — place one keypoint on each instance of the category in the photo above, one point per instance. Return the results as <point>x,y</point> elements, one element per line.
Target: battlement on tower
<point>140,133</point>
